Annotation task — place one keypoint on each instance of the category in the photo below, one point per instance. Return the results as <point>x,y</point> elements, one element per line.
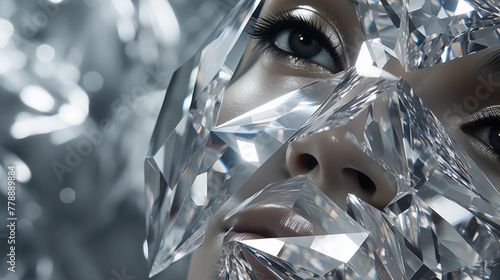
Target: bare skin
<point>457,92</point>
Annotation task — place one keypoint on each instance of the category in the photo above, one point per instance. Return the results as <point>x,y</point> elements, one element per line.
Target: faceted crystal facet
<point>400,134</point>
<point>424,33</point>
<point>337,244</point>
<point>192,168</point>
<point>176,166</point>
<point>443,223</point>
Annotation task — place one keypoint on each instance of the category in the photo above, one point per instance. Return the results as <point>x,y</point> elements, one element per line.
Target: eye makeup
<point>484,127</point>
<point>269,29</point>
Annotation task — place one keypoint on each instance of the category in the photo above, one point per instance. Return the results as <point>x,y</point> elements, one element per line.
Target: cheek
<point>452,96</point>
<point>448,94</point>
<point>259,85</point>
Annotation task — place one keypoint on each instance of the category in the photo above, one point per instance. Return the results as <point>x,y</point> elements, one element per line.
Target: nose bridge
<point>394,67</point>
<point>308,151</point>
<point>337,165</point>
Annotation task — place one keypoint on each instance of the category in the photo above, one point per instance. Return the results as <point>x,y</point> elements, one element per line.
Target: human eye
<point>485,128</point>
<point>301,35</point>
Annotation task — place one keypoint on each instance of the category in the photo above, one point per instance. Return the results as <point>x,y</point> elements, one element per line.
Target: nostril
<point>366,183</point>
<point>306,162</point>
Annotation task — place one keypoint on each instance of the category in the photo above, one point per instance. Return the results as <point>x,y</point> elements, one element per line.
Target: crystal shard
<point>256,135</point>
<point>386,121</point>
<point>443,222</point>
<point>192,168</point>
<point>334,247</point>
<point>424,33</point>
<point>176,153</point>
<point>444,219</point>
<point>423,244</point>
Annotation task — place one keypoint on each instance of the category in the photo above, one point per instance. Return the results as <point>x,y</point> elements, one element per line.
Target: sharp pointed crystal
<point>425,33</point>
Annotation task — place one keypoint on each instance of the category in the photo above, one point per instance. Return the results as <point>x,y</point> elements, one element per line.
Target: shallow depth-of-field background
<point>81,85</point>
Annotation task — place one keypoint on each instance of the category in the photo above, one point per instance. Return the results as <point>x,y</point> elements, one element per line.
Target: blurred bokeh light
<point>81,85</point>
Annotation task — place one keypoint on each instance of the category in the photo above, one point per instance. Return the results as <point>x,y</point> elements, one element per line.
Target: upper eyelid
<point>484,149</point>
<point>481,147</point>
<point>277,21</point>
<point>486,116</point>
<point>478,126</point>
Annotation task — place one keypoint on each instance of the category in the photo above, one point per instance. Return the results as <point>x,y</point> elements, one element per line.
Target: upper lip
<point>271,221</point>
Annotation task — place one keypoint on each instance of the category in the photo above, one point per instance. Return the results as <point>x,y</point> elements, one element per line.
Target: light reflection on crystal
<point>222,156</point>
<point>174,218</point>
<point>248,151</point>
<point>176,221</point>
<point>424,33</point>
<point>454,213</point>
<point>442,223</point>
<point>439,225</point>
<point>302,257</point>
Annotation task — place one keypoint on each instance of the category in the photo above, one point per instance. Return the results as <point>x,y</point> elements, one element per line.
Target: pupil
<point>494,139</point>
<point>303,45</point>
<point>305,40</point>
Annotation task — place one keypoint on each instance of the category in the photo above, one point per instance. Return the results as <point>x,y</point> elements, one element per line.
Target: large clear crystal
<point>444,222</point>
<point>422,33</point>
<point>299,257</point>
<point>399,133</point>
<point>176,173</point>
<point>193,166</point>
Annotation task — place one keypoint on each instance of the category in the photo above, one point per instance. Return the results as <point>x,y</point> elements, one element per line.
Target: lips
<point>268,221</point>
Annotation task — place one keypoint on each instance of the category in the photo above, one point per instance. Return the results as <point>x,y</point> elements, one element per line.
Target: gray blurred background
<point>81,85</point>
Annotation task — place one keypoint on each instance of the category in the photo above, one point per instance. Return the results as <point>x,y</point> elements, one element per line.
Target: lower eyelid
<point>299,63</point>
<point>479,133</point>
<point>489,152</point>
<point>483,149</point>
<point>278,53</point>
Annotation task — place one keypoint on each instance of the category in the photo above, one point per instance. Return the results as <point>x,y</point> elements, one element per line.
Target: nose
<point>338,166</point>
<point>394,67</point>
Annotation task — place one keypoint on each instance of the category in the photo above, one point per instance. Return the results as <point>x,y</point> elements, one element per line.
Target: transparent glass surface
<point>443,221</point>
<point>193,166</point>
<point>424,33</point>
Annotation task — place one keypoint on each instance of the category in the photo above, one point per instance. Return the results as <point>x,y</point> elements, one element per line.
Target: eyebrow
<point>490,63</point>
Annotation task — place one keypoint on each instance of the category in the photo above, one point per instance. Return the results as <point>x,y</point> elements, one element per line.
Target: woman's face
<point>297,42</point>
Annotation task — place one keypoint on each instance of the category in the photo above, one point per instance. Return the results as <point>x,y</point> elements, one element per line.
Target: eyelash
<point>266,29</point>
<point>484,119</point>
